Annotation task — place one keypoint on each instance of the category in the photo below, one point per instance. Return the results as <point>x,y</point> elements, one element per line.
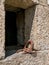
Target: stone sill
<point>37,58</point>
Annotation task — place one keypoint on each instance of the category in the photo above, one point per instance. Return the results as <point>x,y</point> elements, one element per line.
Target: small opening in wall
<point>14,31</point>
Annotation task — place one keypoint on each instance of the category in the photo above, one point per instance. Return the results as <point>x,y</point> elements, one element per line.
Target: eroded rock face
<point>37,26</point>
<point>2,29</point>
<point>36,58</point>
<point>21,3</point>
<point>41,27</point>
<point>25,3</point>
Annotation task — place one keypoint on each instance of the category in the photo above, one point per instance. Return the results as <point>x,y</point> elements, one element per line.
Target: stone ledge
<point>37,58</point>
<point>21,3</point>
<point>25,3</point>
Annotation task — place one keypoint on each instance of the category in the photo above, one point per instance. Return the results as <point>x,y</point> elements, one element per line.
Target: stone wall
<point>36,29</point>
<point>37,26</point>
<point>21,3</point>
<point>25,3</point>
<point>41,27</point>
<point>2,29</point>
<point>29,17</point>
<point>43,2</point>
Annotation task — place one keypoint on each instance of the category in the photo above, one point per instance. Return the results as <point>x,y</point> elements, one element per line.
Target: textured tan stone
<point>2,30</point>
<point>25,3</point>
<point>21,3</point>
<point>47,58</point>
<point>41,27</point>
<point>37,58</point>
<point>37,26</point>
<point>43,1</point>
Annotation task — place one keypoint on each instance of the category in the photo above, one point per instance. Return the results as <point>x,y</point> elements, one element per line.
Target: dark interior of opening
<point>10,32</point>
<point>10,29</point>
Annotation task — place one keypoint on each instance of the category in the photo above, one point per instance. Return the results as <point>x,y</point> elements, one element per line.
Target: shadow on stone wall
<point>29,18</point>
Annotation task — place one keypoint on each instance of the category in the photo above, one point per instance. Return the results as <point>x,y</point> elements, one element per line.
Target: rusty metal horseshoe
<point>28,46</point>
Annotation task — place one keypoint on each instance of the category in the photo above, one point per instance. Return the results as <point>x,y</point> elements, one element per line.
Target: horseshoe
<point>28,46</point>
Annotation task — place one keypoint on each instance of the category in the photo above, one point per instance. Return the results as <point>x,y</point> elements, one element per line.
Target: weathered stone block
<point>2,30</point>
<point>41,27</point>
<point>47,58</point>
<point>21,3</point>
<point>36,58</point>
<point>37,26</point>
<point>25,3</point>
<point>44,2</point>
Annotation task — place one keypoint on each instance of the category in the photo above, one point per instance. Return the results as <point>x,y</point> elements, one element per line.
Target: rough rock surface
<point>2,29</point>
<point>36,58</point>
<point>20,3</point>
<point>25,3</point>
<point>37,26</point>
<point>41,27</point>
